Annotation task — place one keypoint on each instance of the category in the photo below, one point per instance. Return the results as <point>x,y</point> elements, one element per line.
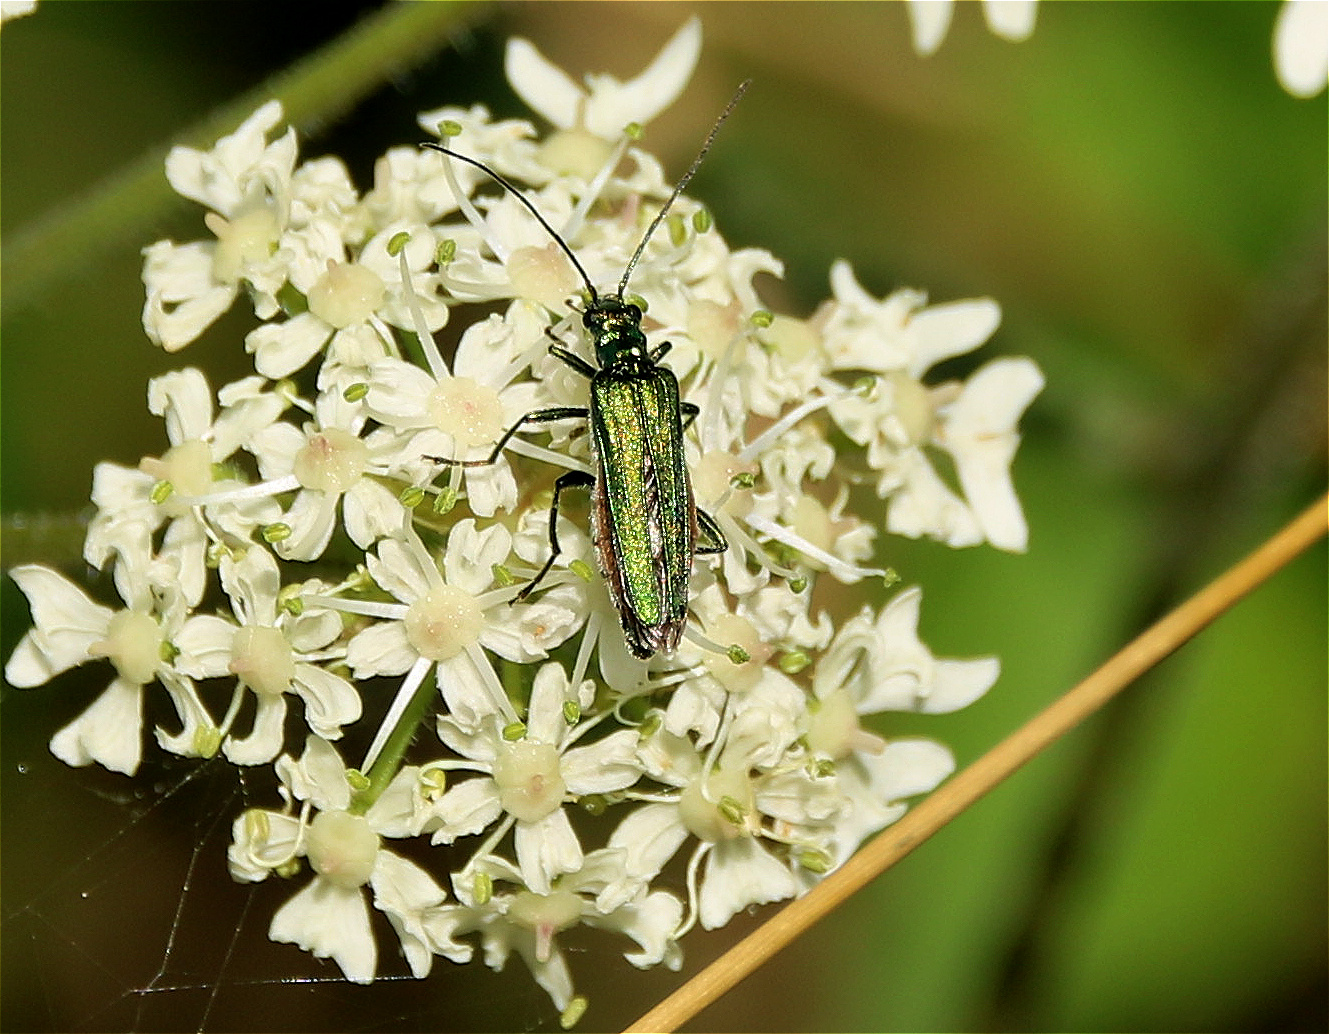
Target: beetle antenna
<point>530,206</point>
<point>742,88</point>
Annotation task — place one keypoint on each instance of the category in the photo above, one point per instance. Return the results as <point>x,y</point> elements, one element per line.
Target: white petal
<point>544,86</point>
<point>874,786</point>
<point>544,714</point>
<point>465,688</point>
<point>957,684</point>
<point>1011,19</point>
<point>184,400</point>
<point>318,776</point>
<point>399,393</point>
<point>490,489</point>
<point>547,849</point>
<point>240,420</point>
<point>993,399</point>
<point>468,807</point>
<point>471,555</point>
<point>261,843</point>
<point>612,107</point>
<point>311,518</point>
<point>979,435</point>
<point>952,328</point>
<point>396,813</point>
<point>183,298</point>
<point>380,649</point>
<point>330,701</point>
<point>929,19</point>
<point>1301,46</point>
<point>186,544</point>
<point>604,766</point>
<point>330,922</point>
<point>66,622</point>
<point>740,873</point>
<point>265,740</point>
<point>650,835</point>
<point>279,349</point>
<point>208,176</point>
<point>205,643</point>
<point>370,511</point>
<point>397,569</point>
<point>252,582</point>
<point>194,717</point>
<point>908,767</point>
<point>109,732</point>
<point>276,447</point>
<point>402,891</point>
<point>549,621</point>
<point>923,505</point>
<point>650,921</point>
<point>986,479</point>
<point>552,974</point>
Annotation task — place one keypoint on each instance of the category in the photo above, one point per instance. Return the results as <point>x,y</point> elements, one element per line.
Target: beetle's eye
<point>632,312</point>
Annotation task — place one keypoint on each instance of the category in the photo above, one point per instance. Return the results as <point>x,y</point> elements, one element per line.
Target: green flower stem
<point>394,750</point>
<point>315,91</point>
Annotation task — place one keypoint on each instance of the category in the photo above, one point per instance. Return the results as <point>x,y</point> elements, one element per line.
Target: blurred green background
<point>1149,208</point>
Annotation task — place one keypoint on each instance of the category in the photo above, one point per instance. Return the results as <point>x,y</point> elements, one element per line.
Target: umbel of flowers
<point>296,545</point>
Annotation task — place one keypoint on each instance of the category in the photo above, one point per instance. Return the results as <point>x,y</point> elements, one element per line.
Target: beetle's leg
<point>707,525</point>
<point>661,350</point>
<point>539,416</point>
<point>689,411</point>
<point>575,361</point>
<point>572,479</point>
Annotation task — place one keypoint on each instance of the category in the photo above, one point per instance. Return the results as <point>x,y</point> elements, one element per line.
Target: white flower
<point>718,684</point>
<point>349,298</point>
<point>342,842</point>
<point>175,488</point>
<point>881,665</point>
<point>69,629</point>
<point>530,770</point>
<point>335,469</point>
<point>901,417</point>
<point>447,617</point>
<point>461,413</point>
<point>246,182</point>
<point>528,921</point>
<point>722,799</point>
<point>900,332</point>
<point>269,652</point>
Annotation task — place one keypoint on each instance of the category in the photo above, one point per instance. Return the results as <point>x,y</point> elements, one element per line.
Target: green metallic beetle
<point>645,523</point>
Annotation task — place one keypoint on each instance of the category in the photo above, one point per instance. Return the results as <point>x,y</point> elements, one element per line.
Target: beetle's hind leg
<point>572,479</point>
<point>707,525</point>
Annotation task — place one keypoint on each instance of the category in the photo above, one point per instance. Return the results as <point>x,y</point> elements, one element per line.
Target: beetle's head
<point>615,328</point>
<point>610,313</point>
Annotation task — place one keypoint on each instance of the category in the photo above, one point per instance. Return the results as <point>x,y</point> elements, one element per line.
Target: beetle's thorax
<point>615,329</point>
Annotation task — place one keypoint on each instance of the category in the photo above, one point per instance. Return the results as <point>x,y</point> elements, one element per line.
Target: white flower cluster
<point>356,573</point>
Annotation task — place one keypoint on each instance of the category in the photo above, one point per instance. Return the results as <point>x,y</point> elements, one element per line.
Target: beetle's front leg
<point>707,524</point>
